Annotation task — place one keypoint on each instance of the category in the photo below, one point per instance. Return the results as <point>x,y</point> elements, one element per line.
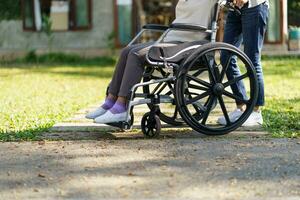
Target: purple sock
<point>108,104</point>
<point>118,108</point>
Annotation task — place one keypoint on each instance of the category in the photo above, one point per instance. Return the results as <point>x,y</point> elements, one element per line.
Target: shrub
<point>10,9</point>
<point>294,12</point>
<point>62,58</point>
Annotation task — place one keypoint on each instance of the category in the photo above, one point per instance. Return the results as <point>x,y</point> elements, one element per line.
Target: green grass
<point>34,97</point>
<point>37,92</point>
<point>282,110</point>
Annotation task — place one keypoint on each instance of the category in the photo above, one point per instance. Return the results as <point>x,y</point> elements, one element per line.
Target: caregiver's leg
<point>254,22</point>
<point>233,35</point>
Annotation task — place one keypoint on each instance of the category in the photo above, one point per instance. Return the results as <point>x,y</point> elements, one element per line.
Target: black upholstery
<point>187,27</point>
<point>156,27</point>
<point>169,51</point>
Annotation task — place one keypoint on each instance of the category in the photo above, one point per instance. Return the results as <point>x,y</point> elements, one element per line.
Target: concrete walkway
<point>92,162</point>
<point>78,127</point>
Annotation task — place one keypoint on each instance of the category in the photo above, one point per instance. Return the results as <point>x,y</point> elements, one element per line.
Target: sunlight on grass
<point>282,110</point>
<point>34,98</point>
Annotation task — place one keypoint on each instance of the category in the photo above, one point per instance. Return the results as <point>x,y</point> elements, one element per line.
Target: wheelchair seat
<point>173,52</point>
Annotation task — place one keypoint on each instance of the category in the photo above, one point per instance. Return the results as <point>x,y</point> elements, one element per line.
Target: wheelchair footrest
<point>121,125</point>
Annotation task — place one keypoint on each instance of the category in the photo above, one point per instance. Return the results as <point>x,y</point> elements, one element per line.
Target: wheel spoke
<point>156,88</point>
<point>162,88</point>
<point>225,68</point>
<point>163,72</point>
<point>210,69</point>
<point>175,113</point>
<point>217,72</point>
<point>235,97</point>
<point>204,83</point>
<point>170,87</point>
<point>199,72</point>
<point>224,110</point>
<point>208,109</point>
<point>169,93</point>
<point>201,96</point>
<point>191,93</point>
<point>235,80</point>
<point>197,87</point>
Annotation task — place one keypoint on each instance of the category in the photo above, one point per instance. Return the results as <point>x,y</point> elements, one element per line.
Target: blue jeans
<point>249,28</point>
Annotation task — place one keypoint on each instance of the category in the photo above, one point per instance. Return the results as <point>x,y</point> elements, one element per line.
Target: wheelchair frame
<point>155,99</point>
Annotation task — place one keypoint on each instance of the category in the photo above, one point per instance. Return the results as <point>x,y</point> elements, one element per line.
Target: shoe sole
<point>251,125</point>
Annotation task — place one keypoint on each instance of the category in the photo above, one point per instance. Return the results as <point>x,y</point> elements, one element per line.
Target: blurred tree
<point>10,9</point>
<point>294,12</point>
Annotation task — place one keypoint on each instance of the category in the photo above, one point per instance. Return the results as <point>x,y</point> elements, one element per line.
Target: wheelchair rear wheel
<point>202,98</point>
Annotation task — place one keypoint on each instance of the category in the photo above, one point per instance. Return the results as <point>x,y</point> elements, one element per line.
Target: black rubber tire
<point>180,90</point>
<point>151,125</point>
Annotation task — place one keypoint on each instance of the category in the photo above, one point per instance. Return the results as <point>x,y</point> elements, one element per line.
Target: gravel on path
<point>206,168</point>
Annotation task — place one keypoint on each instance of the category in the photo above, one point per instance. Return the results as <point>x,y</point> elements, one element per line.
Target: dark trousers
<point>248,28</point>
<point>129,69</point>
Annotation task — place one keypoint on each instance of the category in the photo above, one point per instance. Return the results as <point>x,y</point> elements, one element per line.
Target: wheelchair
<point>190,83</point>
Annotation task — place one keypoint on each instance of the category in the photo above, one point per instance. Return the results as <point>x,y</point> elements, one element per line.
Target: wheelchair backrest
<point>192,12</point>
<point>200,12</point>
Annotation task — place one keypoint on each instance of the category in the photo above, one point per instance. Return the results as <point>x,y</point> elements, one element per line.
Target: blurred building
<point>91,26</point>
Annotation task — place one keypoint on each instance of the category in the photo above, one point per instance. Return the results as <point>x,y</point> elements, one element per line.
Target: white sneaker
<point>96,113</point>
<point>109,117</point>
<point>233,116</point>
<point>255,119</point>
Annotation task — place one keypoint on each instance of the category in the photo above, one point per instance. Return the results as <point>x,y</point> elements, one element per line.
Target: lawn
<point>36,96</point>
<point>282,110</point>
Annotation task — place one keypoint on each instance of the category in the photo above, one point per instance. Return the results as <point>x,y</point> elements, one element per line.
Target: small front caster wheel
<point>151,125</point>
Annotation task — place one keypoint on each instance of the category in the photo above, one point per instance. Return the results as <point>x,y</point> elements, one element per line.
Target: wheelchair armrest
<point>155,27</point>
<point>187,27</point>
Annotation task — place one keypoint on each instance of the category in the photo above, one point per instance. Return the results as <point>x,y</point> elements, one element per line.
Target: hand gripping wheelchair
<point>194,82</point>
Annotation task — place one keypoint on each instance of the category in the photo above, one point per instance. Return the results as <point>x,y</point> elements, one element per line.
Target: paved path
<point>95,162</point>
<point>222,168</point>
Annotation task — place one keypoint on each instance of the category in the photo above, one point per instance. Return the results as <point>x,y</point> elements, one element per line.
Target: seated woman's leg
<point>131,75</point>
<point>114,85</point>
<point>116,80</point>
